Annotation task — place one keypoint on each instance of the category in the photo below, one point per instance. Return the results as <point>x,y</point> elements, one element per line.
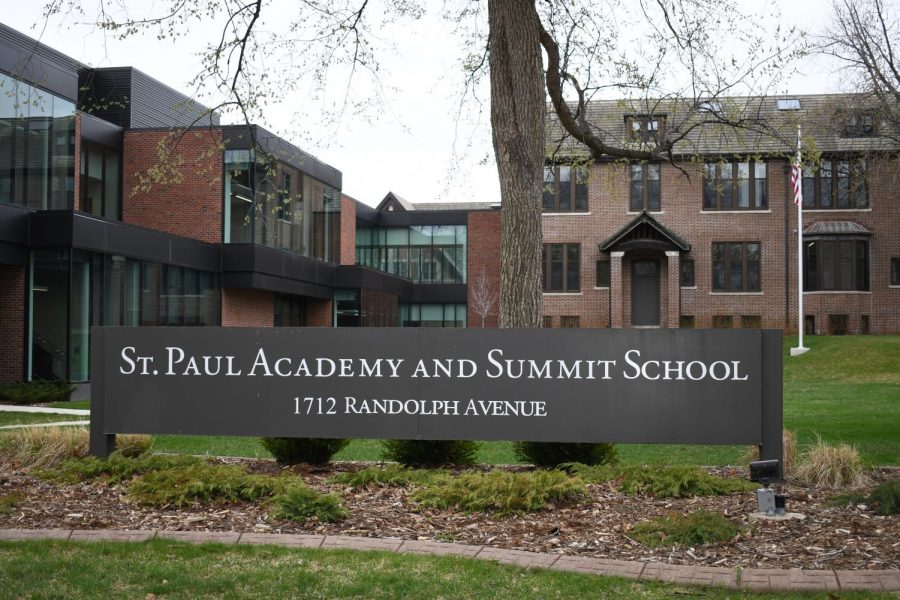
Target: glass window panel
<point>727,191</point>
<point>420,235</point>
<point>743,185</point>
<point>826,183</point>
<point>111,186</point>
<point>829,265</point>
<point>653,201</point>
<point>549,189</point>
<point>581,188</point>
<point>846,266</point>
<point>565,188</point>
<point>573,268</point>
<point>709,186</point>
<point>637,194</point>
<point>843,184</point>
<point>397,236</point>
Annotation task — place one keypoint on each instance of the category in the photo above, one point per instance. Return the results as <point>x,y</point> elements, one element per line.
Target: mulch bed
<point>598,526</point>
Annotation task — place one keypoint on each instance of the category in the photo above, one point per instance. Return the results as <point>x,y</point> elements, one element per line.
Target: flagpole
<point>800,349</point>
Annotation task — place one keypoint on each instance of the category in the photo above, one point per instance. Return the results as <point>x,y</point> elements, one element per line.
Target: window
<point>603,274</point>
<point>427,315</point>
<point>859,124</point>
<point>290,311</point>
<point>838,264</point>
<point>836,185</point>
<point>735,186</point>
<point>561,194</point>
<point>838,324</point>
<point>735,266</point>
<point>895,270</point>
<point>687,322</point>
<point>788,104</point>
<point>100,181</point>
<point>562,267</point>
<point>644,187</point>
<point>570,322</point>
<point>722,322</point>
<point>547,322</point>
<point>864,324</point>
<point>644,129</point>
<point>751,321</point>
<point>687,273</point>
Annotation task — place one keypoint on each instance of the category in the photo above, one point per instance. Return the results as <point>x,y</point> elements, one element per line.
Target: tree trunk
<point>517,124</point>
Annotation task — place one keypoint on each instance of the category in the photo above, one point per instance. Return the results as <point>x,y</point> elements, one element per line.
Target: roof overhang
<point>644,232</point>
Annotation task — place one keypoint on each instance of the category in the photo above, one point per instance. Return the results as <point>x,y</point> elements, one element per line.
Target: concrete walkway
<point>44,410</point>
<point>758,580</point>
<point>54,424</point>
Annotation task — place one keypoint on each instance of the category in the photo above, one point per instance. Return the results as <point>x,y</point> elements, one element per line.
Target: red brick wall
<point>12,323</point>
<point>187,199</point>
<point>681,213</point>
<point>247,308</point>
<point>319,313</point>
<point>348,231</point>
<point>483,258</point>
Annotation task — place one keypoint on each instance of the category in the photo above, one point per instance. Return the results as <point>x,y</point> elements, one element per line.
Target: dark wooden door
<point>645,292</point>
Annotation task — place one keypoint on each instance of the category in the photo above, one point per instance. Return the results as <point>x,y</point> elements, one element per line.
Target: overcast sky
<point>409,148</point>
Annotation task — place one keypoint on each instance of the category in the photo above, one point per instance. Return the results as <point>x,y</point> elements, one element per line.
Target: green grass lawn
<point>845,389</point>
<point>52,569</point>
<point>16,418</point>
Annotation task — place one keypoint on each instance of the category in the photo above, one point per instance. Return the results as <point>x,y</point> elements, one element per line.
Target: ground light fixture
<point>765,472</point>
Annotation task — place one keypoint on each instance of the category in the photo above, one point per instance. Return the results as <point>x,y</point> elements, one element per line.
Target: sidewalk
<point>757,580</point>
<point>43,410</point>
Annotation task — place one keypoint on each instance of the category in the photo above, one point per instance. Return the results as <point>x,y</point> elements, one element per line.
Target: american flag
<point>797,175</point>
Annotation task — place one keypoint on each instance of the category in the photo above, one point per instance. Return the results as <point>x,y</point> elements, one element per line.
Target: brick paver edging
<point>748,579</point>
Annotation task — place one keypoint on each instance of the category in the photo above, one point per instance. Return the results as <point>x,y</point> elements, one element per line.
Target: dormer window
<point>859,124</point>
<point>644,128</point>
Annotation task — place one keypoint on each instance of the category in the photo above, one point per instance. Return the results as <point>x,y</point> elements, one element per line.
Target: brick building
<point>124,202</point>
<point>709,238</point>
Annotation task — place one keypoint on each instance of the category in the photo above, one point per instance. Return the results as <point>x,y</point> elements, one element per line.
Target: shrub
<point>115,469</point>
<point>430,453</point>
<point>42,447</point>
<point>391,476</point>
<point>9,501</point>
<point>299,503</point>
<point>885,498</point>
<point>832,466</point>
<point>313,451</point>
<point>500,491</point>
<point>201,482</point>
<point>695,529</point>
<point>552,454</point>
<point>662,481</point>
<point>35,392</point>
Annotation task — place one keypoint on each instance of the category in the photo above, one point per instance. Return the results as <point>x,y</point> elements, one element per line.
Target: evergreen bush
<point>430,453</point>
<point>313,451</point>
<point>550,455</point>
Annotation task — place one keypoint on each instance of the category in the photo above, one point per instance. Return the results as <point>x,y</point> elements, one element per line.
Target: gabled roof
<point>644,231</point>
<point>393,203</point>
<point>771,128</point>
<point>835,228</point>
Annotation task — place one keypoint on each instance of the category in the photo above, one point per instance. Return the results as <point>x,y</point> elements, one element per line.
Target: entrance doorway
<point>645,293</point>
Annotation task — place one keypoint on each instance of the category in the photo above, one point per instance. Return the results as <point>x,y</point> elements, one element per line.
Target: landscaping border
<point>757,580</point>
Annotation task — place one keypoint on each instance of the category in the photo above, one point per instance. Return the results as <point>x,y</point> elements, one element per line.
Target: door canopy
<point>644,232</point>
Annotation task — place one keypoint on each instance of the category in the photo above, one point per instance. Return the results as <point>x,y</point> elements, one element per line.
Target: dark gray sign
<point>565,385</point>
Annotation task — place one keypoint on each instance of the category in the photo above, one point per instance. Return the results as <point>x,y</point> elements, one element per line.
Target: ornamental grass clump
<point>500,491</point>
<point>115,469</point>
<point>832,467</point>
<point>300,503</point>
<point>43,447</point>
<point>694,529</point>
